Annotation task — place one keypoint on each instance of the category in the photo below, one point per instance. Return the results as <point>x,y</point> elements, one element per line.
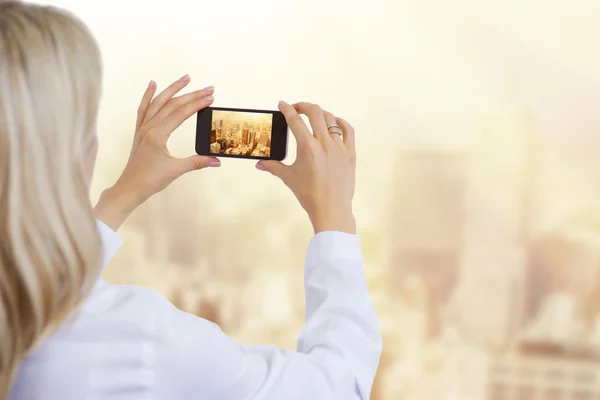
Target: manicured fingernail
<point>214,163</point>
<point>282,103</point>
<point>261,167</point>
<point>151,84</point>
<point>208,99</point>
<point>184,78</point>
<point>209,88</point>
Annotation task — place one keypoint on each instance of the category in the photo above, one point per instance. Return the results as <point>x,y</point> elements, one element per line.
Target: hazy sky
<point>425,57</point>
<point>229,117</point>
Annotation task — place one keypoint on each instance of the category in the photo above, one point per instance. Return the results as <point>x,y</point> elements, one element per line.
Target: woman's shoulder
<point>130,302</point>
<point>110,341</point>
<point>116,312</point>
<point>131,316</point>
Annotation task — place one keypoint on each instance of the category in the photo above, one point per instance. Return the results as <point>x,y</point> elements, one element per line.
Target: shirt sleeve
<point>110,242</point>
<point>337,354</point>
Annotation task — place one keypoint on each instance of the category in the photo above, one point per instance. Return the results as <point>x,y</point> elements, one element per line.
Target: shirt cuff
<point>333,245</point>
<point>110,242</point>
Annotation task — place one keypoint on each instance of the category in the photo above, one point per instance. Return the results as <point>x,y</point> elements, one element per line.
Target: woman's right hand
<point>323,175</point>
<point>151,167</point>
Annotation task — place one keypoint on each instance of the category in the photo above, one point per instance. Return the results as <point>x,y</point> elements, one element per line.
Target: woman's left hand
<point>151,167</point>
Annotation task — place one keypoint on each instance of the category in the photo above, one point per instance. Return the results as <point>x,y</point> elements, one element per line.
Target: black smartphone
<point>241,133</point>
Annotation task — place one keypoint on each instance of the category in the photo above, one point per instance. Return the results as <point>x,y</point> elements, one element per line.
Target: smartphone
<point>241,133</point>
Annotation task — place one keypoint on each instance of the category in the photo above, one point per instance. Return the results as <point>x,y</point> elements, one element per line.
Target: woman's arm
<point>341,325</point>
<point>337,354</point>
<point>339,346</point>
<point>110,242</point>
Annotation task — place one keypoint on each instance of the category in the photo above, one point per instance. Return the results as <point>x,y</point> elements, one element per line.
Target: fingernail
<point>282,103</point>
<point>184,78</point>
<point>261,167</point>
<point>151,84</point>
<point>214,163</point>
<point>209,88</point>
<point>208,99</point>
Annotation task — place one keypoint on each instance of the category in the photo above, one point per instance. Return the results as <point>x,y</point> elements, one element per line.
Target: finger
<point>177,117</point>
<point>316,118</point>
<point>144,104</point>
<point>180,101</point>
<point>349,135</point>
<point>295,122</point>
<point>331,120</point>
<point>276,168</point>
<point>165,96</point>
<point>194,163</point>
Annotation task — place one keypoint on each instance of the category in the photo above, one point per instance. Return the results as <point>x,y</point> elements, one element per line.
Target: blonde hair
<point>50,73</point>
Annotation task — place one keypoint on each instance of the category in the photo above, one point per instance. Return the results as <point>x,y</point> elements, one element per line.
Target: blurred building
<point>566,260</point>
<point>172,228</point>
<point>426,223</point>
<point>264,138</point>
<point>462,221</point>
<point>543,378</point>
<point>500,203</point>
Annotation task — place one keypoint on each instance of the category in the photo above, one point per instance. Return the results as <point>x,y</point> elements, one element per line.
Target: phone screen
<point>240,133</point>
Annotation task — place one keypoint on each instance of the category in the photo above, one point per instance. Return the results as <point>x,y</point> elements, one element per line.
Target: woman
<point>65,334</point>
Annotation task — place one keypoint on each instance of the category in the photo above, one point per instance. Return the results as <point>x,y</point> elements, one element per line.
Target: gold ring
<point>335,129</point>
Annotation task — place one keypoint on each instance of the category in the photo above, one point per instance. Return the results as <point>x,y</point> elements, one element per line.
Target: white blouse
<point>128,342</point>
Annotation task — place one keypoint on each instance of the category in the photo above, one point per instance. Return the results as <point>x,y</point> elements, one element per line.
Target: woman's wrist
<point>338,220</point>
<point>114,206</point>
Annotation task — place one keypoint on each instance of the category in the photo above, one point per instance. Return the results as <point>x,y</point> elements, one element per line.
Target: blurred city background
<point>478,180</point>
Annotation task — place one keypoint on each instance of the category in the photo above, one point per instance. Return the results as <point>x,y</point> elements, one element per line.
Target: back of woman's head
<point>49,247</point>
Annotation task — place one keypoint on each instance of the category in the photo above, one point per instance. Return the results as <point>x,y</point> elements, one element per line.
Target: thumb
<point>193,163</point>
<point>277,168</point>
